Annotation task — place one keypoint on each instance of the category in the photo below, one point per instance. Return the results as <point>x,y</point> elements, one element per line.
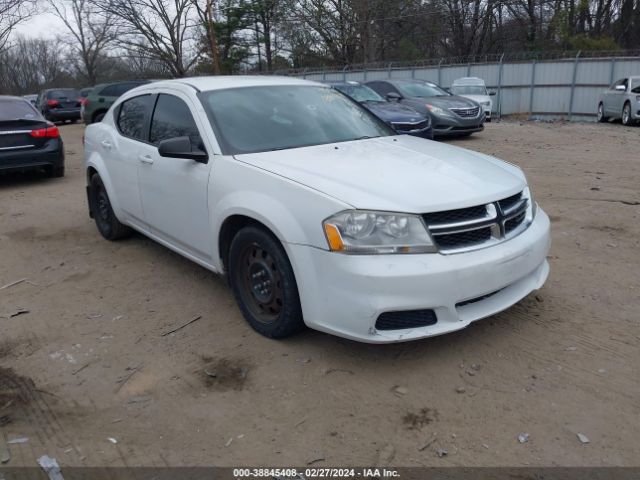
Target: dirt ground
<point>89,365</point>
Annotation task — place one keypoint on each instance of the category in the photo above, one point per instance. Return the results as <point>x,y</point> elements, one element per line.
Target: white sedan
<point>317,212</point>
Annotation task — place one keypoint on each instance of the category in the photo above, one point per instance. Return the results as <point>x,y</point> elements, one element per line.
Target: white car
<point>475,89</point>
<point>318,213</point>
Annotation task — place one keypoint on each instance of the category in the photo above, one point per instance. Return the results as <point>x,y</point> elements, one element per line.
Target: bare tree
<point>207,19</point>
<point>91,31</point>
<point>12,12</point>
<point>163,30</point>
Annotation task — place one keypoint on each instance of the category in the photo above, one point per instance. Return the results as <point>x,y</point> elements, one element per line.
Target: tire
<point>600,116</point>
<point>108,224</point>
<point>263,283</point>
<point>56,172</point>
<point>626,114</point>
<point>98,117</point>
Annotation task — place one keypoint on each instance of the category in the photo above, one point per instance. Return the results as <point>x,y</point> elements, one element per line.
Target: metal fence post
<point>500,87</point>
<point>573,84</point>
<point>440,72</point>
<point>344,73</point>
<point>613,70</point>
<point>533,85</point>
<point>304,73</point>
<point>365,73</point>
<point>324,75</point>
<point>389,69</point>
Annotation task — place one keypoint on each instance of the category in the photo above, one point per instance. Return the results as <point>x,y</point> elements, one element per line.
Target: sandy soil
<point>89,360</point>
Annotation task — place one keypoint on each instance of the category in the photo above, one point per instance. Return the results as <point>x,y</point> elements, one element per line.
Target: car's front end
<point>453,116</point>
<point>404,120</point>
<point>426,238</point>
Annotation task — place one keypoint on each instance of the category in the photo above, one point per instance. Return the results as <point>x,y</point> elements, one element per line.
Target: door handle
<point>106,144</point>
<point>145,159</point>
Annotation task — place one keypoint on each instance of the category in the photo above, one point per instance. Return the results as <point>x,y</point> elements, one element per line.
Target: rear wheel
<point>601,117</point>
<point>108,224</point>
<point>626,114</point>
<point>263,283</point>
<point>98,117</point>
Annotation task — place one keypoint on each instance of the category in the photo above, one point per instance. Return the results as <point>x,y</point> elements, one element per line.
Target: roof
<point>12,98</point>
<point>219,82</point>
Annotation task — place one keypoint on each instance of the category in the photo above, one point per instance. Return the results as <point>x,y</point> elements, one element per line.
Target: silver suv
<point>621,100</point>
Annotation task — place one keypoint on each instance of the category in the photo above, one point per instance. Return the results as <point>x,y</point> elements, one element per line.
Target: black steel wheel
<point>108,224</point>
<point>263,283</point>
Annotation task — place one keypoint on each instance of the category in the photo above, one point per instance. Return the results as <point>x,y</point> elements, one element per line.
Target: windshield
<point>17,110</point>
<point>635,85</point>
<point>469,90</point>
<point>260,119</point>
<point>420,90</point>
<point>360,93</point>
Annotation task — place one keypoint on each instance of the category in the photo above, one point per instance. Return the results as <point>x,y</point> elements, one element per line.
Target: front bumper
<point>450,125</point>
<point>345,294</point>
<point>50,156</point>
<point>424,133</point>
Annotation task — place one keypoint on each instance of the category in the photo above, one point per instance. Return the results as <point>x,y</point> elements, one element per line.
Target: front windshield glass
<point>468,90</point>
<point>266,118</point>
<point>360,93</point>
<point>420,90</point>
<point>635,85</point>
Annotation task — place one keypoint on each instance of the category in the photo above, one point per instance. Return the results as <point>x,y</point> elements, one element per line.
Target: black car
<point>450,115</point>
<point>403,119</point>
<point>60,104</point>
<point>27,140</point>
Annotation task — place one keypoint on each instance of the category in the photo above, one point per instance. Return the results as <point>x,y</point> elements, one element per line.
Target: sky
<point>44,25</point>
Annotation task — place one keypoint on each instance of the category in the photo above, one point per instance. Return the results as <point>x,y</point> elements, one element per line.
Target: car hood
<point>393,112</point>
<point>478,98</point>
<point>396,173</point>
<point>450,101</point>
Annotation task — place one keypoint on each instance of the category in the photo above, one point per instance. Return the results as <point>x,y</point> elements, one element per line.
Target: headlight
<point>369,232</point>
<point>436,110</point>
<point>486,104</point>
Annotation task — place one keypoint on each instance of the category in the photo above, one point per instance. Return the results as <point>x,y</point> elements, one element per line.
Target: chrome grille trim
<point>506,218</point>
<point>467,112</point>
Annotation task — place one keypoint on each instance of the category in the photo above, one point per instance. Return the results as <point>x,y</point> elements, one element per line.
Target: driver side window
<point>172,118</point>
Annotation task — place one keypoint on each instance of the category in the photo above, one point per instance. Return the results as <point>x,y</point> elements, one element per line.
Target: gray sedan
<point>450,115</point>
<point>621,100</point>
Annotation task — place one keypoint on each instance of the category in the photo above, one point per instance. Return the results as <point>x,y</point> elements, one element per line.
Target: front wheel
<point>263,283</point>
<point>108,224</point>
<point>626,114</point>
<point>601,117</point>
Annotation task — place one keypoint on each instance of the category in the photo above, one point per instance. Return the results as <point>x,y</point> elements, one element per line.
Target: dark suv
<point>59,104</point>
<point>102,97</point>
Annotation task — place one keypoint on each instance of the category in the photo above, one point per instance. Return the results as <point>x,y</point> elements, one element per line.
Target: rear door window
<point>132,117</point>
<point>172,118</point>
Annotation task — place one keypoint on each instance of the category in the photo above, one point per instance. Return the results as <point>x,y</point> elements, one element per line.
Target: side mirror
<point>621,88</point>
<point>180,147</point>
<point>492,92</point>
<point>394,97</point>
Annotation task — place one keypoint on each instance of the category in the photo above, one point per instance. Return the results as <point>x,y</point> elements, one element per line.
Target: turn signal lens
<point>333,237</point>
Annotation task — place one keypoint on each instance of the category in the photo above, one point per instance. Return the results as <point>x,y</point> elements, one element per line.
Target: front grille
<point>463,239</point>
<point>453,216</point>
<point>509,202</point>
<point>477,299</point>
<point>406,319</point>
<point>474,227</point>
<point>466,112</point>
<point>409,127</point>
<point>513,223</point>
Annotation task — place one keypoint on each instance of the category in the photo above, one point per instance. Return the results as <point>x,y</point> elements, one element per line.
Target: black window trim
<point>147,121</point>
<point>153,110</point>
